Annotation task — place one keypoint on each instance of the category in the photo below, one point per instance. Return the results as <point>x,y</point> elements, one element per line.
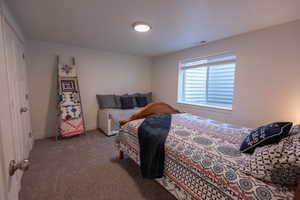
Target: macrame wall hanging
<point>70,115</point>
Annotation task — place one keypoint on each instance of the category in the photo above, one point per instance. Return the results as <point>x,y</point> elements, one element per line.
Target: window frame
<point>180,81</point>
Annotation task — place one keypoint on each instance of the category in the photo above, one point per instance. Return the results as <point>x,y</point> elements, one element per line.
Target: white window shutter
<point>207,81</point>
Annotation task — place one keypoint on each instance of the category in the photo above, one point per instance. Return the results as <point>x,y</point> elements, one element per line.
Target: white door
<point>14,133</point>
<point>10,184</point>
<point>23,99</point>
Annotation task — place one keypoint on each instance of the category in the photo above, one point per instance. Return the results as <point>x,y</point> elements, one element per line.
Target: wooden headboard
<point>151,109</point>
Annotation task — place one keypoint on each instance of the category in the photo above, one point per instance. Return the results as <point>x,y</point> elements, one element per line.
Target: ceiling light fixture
<point>141,27</point>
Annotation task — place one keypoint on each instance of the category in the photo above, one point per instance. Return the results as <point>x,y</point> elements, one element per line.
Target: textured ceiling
<point>177,24</point>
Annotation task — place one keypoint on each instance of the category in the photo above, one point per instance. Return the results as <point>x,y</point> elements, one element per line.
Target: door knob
<point>23,109</point>
<point>14,166</point>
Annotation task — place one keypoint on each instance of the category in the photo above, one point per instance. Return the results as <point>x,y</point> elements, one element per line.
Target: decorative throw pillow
<point>264,135</point>
<point>133,98</point>
<point>126,102</point>
<point>276,163</point>
<point>106,101</point>
<point>118,101</point>
<point>141,101</point>
<point>147,95</point>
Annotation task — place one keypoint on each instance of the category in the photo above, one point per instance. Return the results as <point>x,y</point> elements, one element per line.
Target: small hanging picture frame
<point>69,98</point>
<point>70,112</point>
<point>67,70</point>
<point>68,85</point>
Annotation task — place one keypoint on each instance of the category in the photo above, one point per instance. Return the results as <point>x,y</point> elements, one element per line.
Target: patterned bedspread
<point>202,161</point>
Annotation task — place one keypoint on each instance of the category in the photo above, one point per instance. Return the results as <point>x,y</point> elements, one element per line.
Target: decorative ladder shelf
<point>70,113</point>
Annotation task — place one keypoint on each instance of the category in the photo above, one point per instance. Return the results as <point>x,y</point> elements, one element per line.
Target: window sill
<point>215,106</point>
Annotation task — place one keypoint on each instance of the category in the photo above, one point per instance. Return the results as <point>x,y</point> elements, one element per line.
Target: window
<point>207,81</point>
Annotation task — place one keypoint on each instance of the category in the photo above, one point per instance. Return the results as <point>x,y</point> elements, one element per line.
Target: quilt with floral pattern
<point>203,161</point>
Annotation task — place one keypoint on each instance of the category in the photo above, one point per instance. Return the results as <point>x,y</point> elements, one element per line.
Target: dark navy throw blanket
<point>152,135</point>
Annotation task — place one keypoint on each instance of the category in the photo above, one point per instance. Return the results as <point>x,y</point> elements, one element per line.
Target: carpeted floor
<point>85,168</point>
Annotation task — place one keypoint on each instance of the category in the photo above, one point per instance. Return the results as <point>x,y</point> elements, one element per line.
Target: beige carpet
<point>85,168</point>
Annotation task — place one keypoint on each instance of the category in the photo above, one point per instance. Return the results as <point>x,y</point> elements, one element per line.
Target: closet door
<point>14,109</point>
<point>10,183</point>
<point>23,91</point>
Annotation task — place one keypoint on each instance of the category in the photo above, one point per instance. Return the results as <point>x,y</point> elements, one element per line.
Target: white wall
<point>267,76</point>
<point>100,73</point>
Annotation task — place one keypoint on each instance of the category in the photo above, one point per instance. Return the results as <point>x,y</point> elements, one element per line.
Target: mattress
<point>203,161</point>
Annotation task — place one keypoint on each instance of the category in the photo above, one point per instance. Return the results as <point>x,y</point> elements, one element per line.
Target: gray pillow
<point>106,101</point>
<point>148,95</point>
<point>118,101</point>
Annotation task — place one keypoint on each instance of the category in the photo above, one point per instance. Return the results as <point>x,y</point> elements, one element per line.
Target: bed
<point>202,160</point>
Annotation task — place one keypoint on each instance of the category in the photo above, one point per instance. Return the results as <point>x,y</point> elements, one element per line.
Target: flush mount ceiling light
<point>141,27</point>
